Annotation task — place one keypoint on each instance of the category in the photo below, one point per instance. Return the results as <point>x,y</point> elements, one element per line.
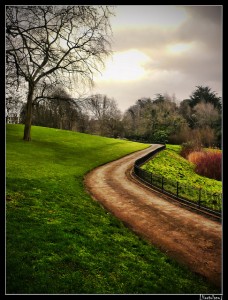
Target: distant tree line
<point>158,120</point>
<point>198,118</point>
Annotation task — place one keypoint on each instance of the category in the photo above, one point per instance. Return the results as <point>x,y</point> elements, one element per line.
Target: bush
<point>160,136</point>
<point>188,148</point>
<point>196,156</point>
<point>208,163</point>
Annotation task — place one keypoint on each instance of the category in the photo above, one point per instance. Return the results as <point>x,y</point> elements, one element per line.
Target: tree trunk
<point>28,116</point>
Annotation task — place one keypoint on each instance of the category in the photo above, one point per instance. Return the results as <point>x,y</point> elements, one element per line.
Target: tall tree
<point>105,114</point>
<point>48,45</point>
<point>150,119</point>
<point>205,94</point>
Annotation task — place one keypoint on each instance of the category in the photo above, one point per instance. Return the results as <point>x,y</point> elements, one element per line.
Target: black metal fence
<point>195,197</point>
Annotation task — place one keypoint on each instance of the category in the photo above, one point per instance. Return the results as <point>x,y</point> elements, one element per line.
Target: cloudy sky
<point>162,49</point>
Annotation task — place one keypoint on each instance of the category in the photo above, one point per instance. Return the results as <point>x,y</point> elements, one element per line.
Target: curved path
<point>183,234</point>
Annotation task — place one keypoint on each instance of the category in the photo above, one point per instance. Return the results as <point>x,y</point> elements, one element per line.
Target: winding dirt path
<point>189,237</point>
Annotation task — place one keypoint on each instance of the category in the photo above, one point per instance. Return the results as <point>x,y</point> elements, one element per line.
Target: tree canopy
<point>205,94</point>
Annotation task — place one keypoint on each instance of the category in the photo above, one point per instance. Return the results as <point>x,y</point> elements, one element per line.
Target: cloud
<point>206,13</point>
<point>195,27</point>
<point>181,54</point>
<point>140,16</point>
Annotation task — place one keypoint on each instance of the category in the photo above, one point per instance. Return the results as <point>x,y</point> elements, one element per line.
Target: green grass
<point>59,240</point>
<point>173,167</point>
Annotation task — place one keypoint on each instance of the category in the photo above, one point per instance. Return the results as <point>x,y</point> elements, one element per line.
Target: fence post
<point>199,197</point>
<point>177,188</point>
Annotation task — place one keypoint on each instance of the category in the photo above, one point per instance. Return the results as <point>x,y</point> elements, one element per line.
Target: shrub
<point>195,156</point>
<point>160,136</point>
<point>208,163</point>
<point>188,148</point>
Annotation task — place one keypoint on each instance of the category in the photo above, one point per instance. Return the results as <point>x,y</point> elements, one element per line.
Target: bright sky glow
<point>125,66</point>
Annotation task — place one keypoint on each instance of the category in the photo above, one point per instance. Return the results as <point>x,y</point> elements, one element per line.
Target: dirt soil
<point>189,237</point>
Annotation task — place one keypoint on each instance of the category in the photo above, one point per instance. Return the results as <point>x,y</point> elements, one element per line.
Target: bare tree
<point>105,114</point>
<point>14,100</point>
<point>57,110</point>
<point>48,45</point>
<point>206,114</point>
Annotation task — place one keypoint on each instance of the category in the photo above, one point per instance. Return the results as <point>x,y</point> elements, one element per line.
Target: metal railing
<point>190,195</point>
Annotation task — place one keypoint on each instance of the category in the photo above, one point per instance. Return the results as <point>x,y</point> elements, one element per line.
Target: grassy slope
<point>61,241</point>
<point>171,165</point>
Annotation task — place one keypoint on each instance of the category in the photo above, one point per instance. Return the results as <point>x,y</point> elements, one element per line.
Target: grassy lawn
<point>59,240</point>
<point>173,167</point>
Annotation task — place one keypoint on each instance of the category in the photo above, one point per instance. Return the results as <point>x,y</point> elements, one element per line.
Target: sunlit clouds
<point>125,66</point>
<point>162,49</point>
<point>178,48</point>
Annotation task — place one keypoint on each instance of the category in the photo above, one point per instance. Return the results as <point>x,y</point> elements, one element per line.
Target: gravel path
<point>189,237</point>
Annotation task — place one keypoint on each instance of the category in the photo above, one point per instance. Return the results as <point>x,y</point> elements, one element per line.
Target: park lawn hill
<point>59,240</point>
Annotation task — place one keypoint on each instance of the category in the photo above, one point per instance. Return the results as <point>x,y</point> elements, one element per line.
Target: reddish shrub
<point>208,163</point>
<point>196,156</point>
